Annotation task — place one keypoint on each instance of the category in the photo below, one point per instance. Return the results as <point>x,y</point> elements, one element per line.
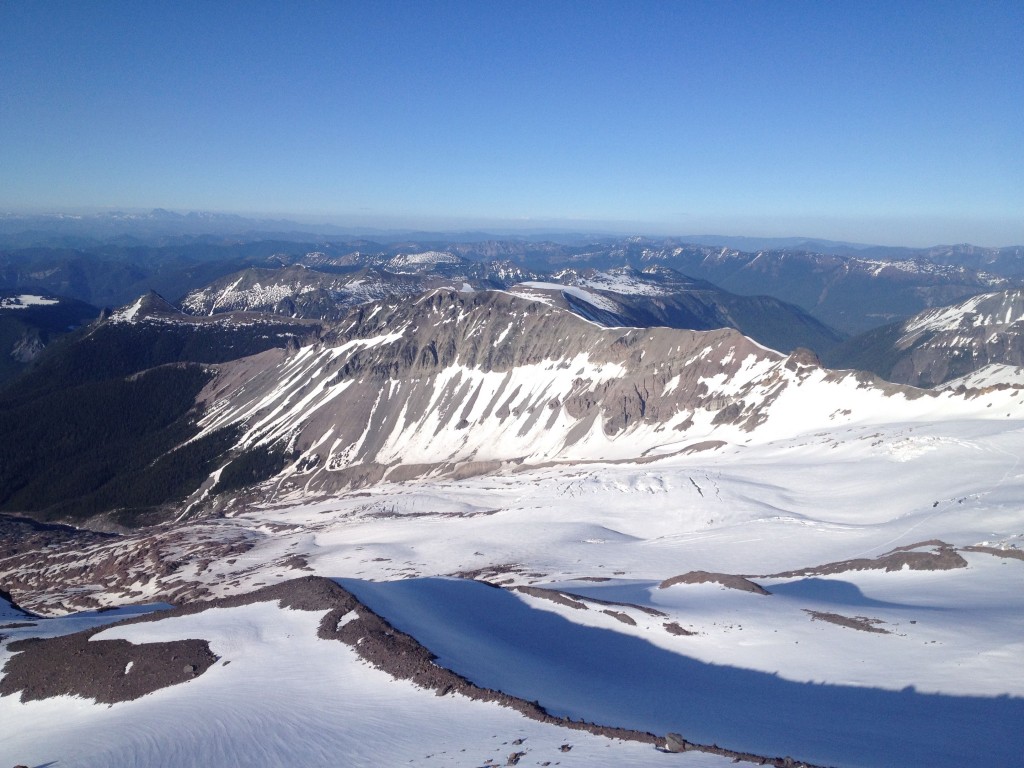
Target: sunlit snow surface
<point>279,696</point>
<point>943,686</point>
<point>591,298</point>
<point>26,300</point>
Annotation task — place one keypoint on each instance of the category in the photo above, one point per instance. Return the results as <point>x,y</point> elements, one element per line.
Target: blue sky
<point>896,123</point>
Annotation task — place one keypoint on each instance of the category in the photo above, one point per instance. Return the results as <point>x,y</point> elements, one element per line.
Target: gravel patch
<point>863,623</point>
<point>107,671</point>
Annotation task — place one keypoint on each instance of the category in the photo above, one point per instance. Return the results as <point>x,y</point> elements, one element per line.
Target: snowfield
<point>602,675</point>
<point>281,696</point>
<point>941,683</point>
<point>26,300</point>
<point>837,578</point>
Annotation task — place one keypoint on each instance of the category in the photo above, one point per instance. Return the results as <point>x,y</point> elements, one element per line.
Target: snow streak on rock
<point>458,382</point>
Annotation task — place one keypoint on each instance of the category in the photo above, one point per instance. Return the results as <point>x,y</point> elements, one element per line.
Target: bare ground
<point>107,671</point>
<point>941,557</point>
<point>1015,554</point>
<point>863,623</point>
<point>573,600</point>
<point>727,580</point>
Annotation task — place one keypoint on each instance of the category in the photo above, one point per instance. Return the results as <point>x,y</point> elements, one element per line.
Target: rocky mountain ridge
<point>851,290</point>
<point>448,381</point>
<point>945,343</point>
<point>626,296</point>
<point>848,291</point>
<point>464,382</point>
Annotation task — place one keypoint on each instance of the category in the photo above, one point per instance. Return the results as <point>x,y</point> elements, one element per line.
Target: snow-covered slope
<point>26,300</point>
<point>533,651</point>
<point>991,375</point>
<point>423,261</point>
<point>680,532</point>
<point>279,694</point>
<point>834,667</point>
<point>461,383</point>
<point>998,310</point>
<point>789,673</point>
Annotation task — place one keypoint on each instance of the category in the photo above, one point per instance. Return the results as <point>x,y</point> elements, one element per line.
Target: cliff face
<point>455,380</point>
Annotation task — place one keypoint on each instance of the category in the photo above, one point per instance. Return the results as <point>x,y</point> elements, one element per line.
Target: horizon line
<point>399,224</point>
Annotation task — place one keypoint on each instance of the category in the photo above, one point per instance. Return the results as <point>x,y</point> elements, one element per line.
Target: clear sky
<point>891,122</point>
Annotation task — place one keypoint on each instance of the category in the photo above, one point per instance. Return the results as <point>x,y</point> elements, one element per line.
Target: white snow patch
<point>26,300</point>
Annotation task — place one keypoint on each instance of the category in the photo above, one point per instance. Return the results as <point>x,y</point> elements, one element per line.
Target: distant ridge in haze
<point>748,243</point>
<point>19,230</point>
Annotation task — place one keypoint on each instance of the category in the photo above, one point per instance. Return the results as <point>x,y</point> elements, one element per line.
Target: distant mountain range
<point>172,410</point>
<point>253,358</point>
<point>655,296</point>
<point>19,230</point>
<point>849,293</point>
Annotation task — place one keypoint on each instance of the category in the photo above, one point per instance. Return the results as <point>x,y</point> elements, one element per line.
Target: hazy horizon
<point>866,123</point>
<point>355,225</point>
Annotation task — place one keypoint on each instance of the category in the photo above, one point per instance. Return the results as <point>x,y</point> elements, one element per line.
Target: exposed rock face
<point>52,569</point>
<point>297,291</point>
<point>482,378</point>
<point>942,344</point>
<point>945,343</point>
<point>28,347</point>
<point>660,296</point>
<point>619,297</point>
<point>861,623</point>
<point>675,743</point>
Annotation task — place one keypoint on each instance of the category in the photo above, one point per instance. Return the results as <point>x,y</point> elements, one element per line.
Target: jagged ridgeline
<point>106,420</point>
<point>462,382</point>
<point>624,296</point>
<point>849,289</point>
